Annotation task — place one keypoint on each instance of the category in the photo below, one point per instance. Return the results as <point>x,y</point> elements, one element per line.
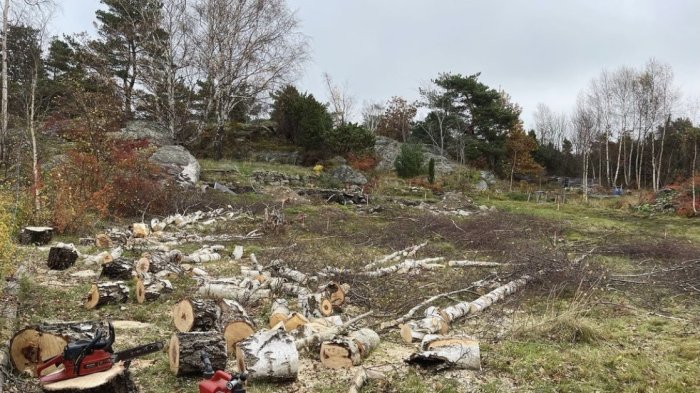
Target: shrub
<point>6,231</point>
<point>348,138</point>
<point>409,162</point>
<point>301,118</point>
<point>431,171</point>
<point>363,162</point>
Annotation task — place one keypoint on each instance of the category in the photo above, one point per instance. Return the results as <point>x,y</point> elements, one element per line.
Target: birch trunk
<point>443,352</point>
<point>268,355</point>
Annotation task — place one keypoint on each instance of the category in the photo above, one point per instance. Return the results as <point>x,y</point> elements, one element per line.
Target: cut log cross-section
<point>235,323</point>
<point>196,315</point>
<point>149,288</point>
<point>106,293</point>
<point>61,258</point>
<point>115,380</point>
<point>142,266</point>
<point>279,312</point>
<point>29,346</point>
<point>185,352</point>
<point>442,352</point>
<point>345,352</point>
<point>268,355</point>
<point>294,321</point>
<point>119,269</point>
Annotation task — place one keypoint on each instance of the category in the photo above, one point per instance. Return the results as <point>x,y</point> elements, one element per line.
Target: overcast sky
<point>536,50</point>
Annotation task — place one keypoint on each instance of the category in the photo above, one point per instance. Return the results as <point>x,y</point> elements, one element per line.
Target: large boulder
<point>277,157</point>
<point>142,129</point>
<point>388,149</point>
<point>347,175</point>
<point>177,161</point>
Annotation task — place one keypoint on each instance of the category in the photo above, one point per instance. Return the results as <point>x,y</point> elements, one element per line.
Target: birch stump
<point>115,380</point>
<point>268,355</point>
<point>235,323</point>
<point>61,258</point>
<point>29,346</point>
<point>345,352</point>
<point>443,352</point>
<point>196,315</point>
<point>185,352</point>
<point>106,293</point>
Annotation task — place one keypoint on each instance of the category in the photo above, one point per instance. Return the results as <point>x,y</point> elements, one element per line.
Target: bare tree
<point>371,115</point>
<point>439,124</point>
<point>243,49</point>
<point>550,126</point>
<point>342,103</point>
<point>583,120</point>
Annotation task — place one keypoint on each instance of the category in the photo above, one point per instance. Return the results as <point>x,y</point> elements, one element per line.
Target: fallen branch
<point>361,377</point>
<point>473,264</point>
<point>396,256</point>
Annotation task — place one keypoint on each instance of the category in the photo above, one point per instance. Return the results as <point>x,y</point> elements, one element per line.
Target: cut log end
<point>236,332</point>
<point>185,352</point>
<point>326,307</point>
<point>295,321</point>
<point>174,353</point>
<point>140,291</point>
<point>335,356</point>
<point>115,380</point>
<point>29,347</point>
<point>183,316</point>
<point>93,297</point>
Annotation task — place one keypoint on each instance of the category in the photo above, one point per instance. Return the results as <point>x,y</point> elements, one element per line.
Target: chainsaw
<point>220,381</point>
<point>88,357</point>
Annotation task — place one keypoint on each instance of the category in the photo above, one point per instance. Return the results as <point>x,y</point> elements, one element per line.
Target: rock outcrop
<point>178,162</point>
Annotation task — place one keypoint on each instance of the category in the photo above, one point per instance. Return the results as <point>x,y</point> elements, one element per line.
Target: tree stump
<point>118,269</point>
<point>29,346</point>
<point>268,355</point>
<point>235,323</point>
<point>196,315</point>
<point>185,352</point>
<point>443,352</point>
<point>36,235</point>
<point>345,352</point>
<point>61,258</point>
<point>115,380</point>
<point>106,293</point>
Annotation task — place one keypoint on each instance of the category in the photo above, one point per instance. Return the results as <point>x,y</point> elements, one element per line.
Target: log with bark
<point>279,312</point>
<point>105,256</point>
<point>115,380</point>
<point>36,235</point>
<point>361,377</point>
<point>268,355</point>
<point>473,264</point>
<point>315,305</point>
<point>140,230</point>
<point>295,321</point>
<point>29,346</point>
<point>345,352</point>
<point>235,323</point>
<point>237,253</point>
<point>396,256</point>
<point>244,291</point>
<point>205,254</point>
<point>106,293</point>
<point>103,241</point>
<point>185,352</point>
<point>119,269</point>
<point>443,352</point>
<point>278,269</point>
<point>326,331</point>
<point>196,315</point>
<point>150,288</point>
<point>401,268</point>
<point>434,323</point>
<point>62,257</point>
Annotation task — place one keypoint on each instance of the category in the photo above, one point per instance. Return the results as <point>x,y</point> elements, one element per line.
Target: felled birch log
<point>140,230</point>
<point>150,288</point>
<point>268,355</point>
<point>119,269</point>
<point>105,256</point>
<point>165,263</point>
<point>205,254</point>
<point>464,308</point>
<point>106,293</point>
<point>236,325</point>
<point>443,352</point>
<point>158,225</point>
<point>62,257</point>
<point>432,323</point>
<point>278,269</point>
<point>345,352</point>
<point>237,253</point>
<point>326,332</point>
<point>396,256</point>
<point>191,315</point>
<point>279,312</point>
<point>31,345</point>
<point>185,351</point>
<point>244,292</point>
<point>473,264</point>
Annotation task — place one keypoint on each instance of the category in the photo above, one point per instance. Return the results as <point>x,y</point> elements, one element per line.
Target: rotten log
<point>345,352</point>
<point>62,257</point>
<point>196,315</point>
<point>185,352</point>
<point>106,293</point>
<point>236,325</point>
<point>36,235</point>
<point>119,269</point>
<point>29,346</point>
<point>115,380</point>
<point>268,355</point>
<point>439,353</point>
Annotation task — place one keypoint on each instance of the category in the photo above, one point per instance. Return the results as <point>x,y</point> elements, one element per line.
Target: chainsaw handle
<point>54,361</point>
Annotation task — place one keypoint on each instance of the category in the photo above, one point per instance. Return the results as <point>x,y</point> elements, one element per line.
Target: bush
<point>409,162</point>
<point>301,118</point>
<point>349,138</point>
<point>6,231</point>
